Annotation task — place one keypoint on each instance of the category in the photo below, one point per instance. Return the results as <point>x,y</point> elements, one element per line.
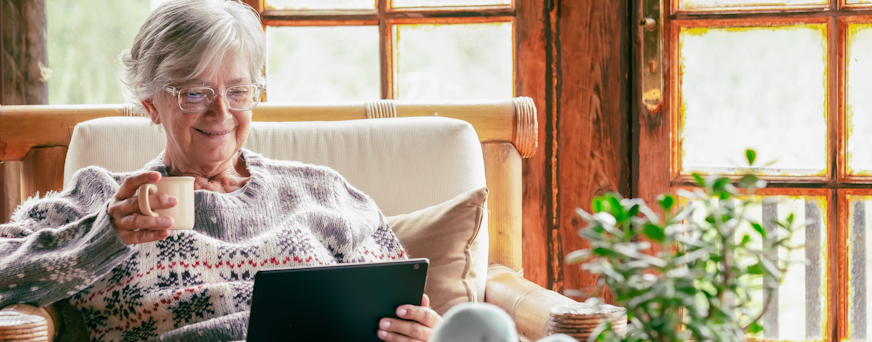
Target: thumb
<point>425,301</point>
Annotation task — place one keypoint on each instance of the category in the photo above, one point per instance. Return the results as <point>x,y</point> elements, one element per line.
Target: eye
<point>194,96</point>
<point>239,92</point>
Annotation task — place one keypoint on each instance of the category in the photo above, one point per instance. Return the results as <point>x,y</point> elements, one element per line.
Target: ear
<point>152,110</point>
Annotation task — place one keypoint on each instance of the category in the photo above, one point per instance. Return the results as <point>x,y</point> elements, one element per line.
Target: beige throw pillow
<point>444,233</point>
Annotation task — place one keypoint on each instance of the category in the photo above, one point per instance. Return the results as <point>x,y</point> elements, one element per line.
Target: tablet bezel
<point>336,301</point>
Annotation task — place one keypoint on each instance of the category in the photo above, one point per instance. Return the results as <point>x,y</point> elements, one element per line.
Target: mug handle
<point>144,191</point>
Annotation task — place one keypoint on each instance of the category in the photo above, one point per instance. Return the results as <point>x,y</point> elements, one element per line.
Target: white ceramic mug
<point>182,188</point>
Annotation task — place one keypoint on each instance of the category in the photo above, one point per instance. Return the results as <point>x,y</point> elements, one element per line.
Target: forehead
<point>231,70</point>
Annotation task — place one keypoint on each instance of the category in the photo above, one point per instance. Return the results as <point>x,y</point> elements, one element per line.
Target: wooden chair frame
<point>38,136</point>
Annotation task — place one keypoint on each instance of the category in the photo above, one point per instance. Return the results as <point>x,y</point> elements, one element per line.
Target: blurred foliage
<point>699,286</point>
<point>85,39</point>
<point>454,62</point>
<point>320,4</point>
<point>322,63</point>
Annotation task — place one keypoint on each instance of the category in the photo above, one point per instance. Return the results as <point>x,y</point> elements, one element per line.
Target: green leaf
<point>759,229</point>
<point>755,269</point>
<point>597,205</point>
<point>754,327</point>
<point>745,239</point>
<point>699,180</point>
<point>616,208</point>
<point>578,256</point>
<point>720,184</point>
<point>749,180</point>
<point>634,210</point>
<point>751,155</point>
<point>666,201</point>
<point>654,232</point>
<point>604,252</point>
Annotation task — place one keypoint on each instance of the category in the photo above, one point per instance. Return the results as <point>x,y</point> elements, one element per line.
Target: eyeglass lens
<point>238,97</point>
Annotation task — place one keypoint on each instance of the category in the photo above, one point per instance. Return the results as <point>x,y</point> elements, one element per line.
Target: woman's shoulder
<point>278,167</point>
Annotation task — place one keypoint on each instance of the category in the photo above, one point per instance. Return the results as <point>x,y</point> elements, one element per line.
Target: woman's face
<point>213,136</point>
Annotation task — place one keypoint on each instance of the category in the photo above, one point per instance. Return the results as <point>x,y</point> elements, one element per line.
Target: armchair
<point>403,164</point>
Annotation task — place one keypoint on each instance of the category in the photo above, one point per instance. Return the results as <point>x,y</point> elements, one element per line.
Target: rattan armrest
<point>527,303</point>
<point>23,322</point>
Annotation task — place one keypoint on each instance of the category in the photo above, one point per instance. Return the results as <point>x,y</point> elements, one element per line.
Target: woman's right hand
<point>131,225</point>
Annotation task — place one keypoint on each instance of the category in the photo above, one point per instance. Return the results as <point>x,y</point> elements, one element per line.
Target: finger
<point>420,314</point>
<point>425,301</point>
<point>131,237</point>
<point>131,205</point>
<point>162,201</point>
<point>142,222</point>
<point>394,337</point>
<point>131,184</point>
<point>412,330</point>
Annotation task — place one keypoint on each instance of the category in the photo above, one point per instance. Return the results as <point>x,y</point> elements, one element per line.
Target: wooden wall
<point>23,47</point>
<point>535,78</point>
<point>584,138</point>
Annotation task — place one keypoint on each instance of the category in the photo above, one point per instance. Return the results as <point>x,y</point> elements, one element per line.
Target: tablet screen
<point>332,303</point>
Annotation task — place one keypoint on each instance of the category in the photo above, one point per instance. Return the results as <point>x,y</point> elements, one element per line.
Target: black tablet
<point>332,303</point>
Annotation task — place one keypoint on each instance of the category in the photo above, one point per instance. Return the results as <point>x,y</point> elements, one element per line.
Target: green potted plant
<point>712,257</point>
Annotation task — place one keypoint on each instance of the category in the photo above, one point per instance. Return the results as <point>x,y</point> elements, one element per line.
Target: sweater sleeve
<point>58,245</point>
<point>375,241</point>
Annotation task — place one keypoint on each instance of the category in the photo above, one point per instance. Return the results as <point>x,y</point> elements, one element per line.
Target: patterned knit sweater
<point>195,284</point>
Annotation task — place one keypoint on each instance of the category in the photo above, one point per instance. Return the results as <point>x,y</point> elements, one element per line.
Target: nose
<point>220,108</point>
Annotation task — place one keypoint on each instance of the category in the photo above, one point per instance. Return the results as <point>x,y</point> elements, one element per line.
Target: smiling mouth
<point>214,133</point>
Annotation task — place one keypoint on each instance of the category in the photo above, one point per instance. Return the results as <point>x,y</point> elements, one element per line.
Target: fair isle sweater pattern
<point>195,284</point>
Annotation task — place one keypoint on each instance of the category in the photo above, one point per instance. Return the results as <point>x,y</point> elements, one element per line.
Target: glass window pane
<point>859,2</point>
<point>798,308</point>
<point>859,266</point>
<point>859,108</point>
<point>320,4</point>
<point>760,88</point>
<point>322,63</point>
<point>84,46</point>
<point>713,4</point>
<point>448,3</point>
<point>454,62</point>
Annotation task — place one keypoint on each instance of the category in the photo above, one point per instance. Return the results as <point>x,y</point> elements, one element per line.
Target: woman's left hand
<point>416,324</point>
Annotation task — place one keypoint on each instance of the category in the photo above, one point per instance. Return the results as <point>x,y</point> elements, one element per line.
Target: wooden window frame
<point>385,17</point>
<point>659,152</point>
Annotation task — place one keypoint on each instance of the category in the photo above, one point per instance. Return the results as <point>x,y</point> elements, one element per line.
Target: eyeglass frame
<point>177,92</point>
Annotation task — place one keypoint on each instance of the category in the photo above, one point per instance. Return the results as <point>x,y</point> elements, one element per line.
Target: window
<point>84,47</point>
<point>343,50</point>
<point>790,79</point>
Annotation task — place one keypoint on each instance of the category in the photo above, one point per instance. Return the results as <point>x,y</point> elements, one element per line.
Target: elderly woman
<point>196,67</point>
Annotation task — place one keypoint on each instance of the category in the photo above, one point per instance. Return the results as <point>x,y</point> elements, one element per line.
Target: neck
<point>224,176</point>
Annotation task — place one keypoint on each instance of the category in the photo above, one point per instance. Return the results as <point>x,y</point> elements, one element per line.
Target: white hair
<point>184,39</point>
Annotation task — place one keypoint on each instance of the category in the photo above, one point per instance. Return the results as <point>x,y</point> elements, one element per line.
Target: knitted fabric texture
<point>196,284</point>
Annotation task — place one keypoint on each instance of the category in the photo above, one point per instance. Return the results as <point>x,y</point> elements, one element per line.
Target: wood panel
<point>651,176</point>
<point>533,77</point>
<point>24,52</point>
<point>10,188</point>
<point>22,57</point>
<point>42,170</point>
<point>592,116</point>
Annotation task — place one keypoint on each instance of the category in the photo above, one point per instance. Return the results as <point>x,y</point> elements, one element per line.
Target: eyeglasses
<point>197,99</point>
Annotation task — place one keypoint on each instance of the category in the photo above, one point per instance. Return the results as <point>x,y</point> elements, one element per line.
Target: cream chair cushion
<point>404,164</point>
